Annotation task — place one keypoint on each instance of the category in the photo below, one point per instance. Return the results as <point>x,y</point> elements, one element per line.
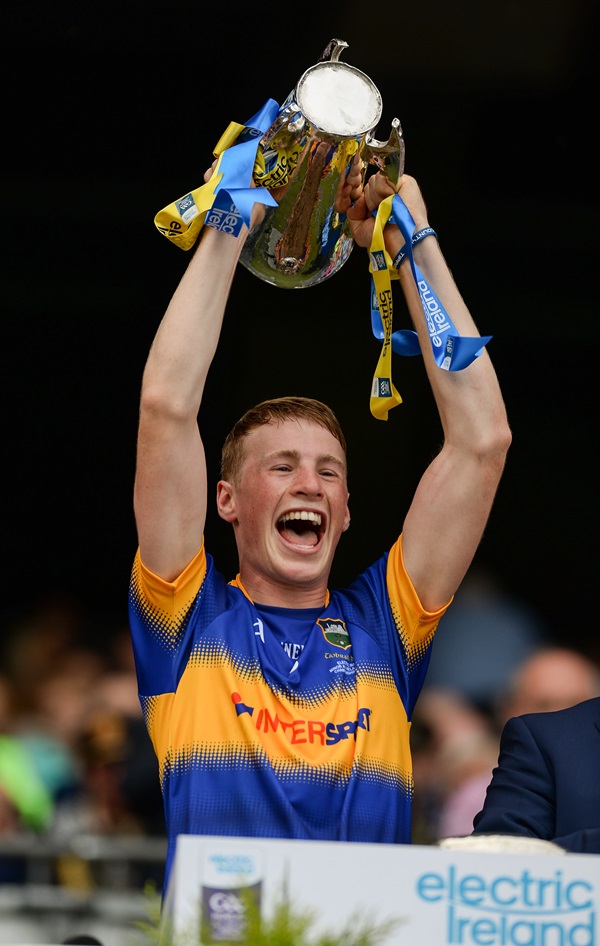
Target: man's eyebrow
<point>331,458</point>
<point>283,455</point>
<point>295,455</point>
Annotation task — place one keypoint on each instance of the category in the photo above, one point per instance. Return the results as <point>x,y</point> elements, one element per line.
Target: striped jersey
<point>275,722</point>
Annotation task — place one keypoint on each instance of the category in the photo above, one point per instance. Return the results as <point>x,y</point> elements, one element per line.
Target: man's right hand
<point>378,187</point>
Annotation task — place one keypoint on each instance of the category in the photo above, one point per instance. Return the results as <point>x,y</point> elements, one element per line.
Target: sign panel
<point>438,897</point>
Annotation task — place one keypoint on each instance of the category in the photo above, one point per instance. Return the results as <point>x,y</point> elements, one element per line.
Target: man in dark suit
<point>547,781</point>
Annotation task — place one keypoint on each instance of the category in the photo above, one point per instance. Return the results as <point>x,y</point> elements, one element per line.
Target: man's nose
<point>308,481</point>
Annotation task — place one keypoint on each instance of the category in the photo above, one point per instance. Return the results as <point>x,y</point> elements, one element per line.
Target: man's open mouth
<point>301,527</point>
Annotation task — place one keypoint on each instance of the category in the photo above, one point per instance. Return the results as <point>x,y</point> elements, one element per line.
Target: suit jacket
<point>547,781</point>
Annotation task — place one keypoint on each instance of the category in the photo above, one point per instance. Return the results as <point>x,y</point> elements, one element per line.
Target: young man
<point>279,708</point>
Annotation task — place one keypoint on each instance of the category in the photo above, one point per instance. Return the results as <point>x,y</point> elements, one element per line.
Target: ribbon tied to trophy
<point>451,351</point>
<point>225,201</point>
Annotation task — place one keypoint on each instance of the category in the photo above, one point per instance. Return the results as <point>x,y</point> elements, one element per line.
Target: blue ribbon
<point>451,351</point>
<point>235,198</point>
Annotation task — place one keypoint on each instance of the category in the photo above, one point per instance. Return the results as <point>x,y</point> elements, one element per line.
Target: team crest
<point>334,632</point>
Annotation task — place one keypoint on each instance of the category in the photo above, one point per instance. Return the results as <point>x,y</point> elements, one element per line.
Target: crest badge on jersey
<point>334,632</point>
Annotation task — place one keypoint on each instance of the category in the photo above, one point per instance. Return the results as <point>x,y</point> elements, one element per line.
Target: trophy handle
<point>290,116</point>
<point>333,50</point>
<point>388,155</point>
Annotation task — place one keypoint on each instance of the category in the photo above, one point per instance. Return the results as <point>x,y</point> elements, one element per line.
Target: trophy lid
<point>339,99</point>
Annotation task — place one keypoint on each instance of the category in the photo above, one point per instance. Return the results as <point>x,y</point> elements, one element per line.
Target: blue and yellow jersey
<point>281,723</point>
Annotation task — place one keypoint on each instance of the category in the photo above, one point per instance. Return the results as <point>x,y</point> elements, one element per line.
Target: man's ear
<point>225,501</point>
<point>347,518</point>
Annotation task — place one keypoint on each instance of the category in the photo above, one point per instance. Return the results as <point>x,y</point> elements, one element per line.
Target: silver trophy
<point>328,118</point>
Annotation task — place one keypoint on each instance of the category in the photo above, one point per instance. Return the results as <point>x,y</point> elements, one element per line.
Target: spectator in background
<point>547,781</point>
<point>76,721</point>
<point>26,805</point>
<point>550,679</point>
<point>455,743</point>
<point>54,669</point>
<point>482,639</point>
<point>454,748</point>
<point>118,795</point>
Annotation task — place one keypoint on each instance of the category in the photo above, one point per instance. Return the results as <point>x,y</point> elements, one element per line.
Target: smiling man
<point>284,490</point>
<point>278,707</point>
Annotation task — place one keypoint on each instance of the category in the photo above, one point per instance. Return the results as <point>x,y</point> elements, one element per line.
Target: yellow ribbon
<point>182,220</point>
<point>384,395</point>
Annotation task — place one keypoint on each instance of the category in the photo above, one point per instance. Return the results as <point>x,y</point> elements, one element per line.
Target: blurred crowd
<point>75,757</point>
<point>492,659</point>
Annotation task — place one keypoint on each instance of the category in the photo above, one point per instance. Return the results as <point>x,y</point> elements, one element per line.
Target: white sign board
<point>439,897</point>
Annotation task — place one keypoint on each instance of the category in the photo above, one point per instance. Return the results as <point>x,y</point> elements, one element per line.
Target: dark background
<point>111,111</point>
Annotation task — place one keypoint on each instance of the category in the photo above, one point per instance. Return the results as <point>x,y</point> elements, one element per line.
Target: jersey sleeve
<point>415,626</point>
<point>159,614</point>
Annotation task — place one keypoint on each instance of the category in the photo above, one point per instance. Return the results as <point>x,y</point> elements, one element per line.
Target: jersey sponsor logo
<point>300,730</point>
<point>342,667</point>
<point>334,632</point>
<point>292,650</point>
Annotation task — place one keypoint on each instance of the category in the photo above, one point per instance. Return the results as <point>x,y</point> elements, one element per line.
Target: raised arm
<point>170,490</point>
<point>452,503</point>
